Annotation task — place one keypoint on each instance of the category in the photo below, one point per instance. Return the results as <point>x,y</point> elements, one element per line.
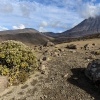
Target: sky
<point>46,15</point>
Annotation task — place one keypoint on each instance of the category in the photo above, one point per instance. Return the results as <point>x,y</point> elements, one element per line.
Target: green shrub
<point>17,61</point>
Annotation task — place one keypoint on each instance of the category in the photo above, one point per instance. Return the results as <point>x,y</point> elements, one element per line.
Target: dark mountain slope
<point>86,27</point>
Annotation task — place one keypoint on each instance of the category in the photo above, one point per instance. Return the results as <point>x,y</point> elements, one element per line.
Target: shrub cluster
<point>17,61</point>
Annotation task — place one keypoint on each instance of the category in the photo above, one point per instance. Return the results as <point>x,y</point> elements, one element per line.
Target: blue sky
<point>46,15</point>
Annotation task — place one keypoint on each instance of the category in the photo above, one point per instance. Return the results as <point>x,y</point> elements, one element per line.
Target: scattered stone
<point>61,50</point>
<point>43,67</point>
<point>45,58</point>
<point>93,44</point>
<point>71,46</point>
<point>65,76</point>
<point>24,87</point>
<point>89,46</point>
<point>72,51</point>
<point>48,44</point>
<point>96,52</point>
<point>42,72</point>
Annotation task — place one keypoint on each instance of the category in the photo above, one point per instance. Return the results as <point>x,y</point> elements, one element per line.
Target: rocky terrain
<point>60,75</point>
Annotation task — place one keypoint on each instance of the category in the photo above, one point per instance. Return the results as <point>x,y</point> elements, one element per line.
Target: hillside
<point>28,36</point>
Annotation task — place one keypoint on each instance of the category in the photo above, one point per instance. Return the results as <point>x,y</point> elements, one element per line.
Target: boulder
<point>89,46</point>
<point>71,46</point>
<point>93,71</point>
<point>48,44</point>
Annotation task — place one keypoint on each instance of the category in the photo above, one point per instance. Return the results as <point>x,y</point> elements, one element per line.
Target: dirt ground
<point>63,77</point>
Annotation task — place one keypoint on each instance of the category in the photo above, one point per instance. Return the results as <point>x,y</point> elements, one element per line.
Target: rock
<point>65,76</point>
<point>96,52</point>
<point>93,71</point>
<point>41,48</point>
<point>93,44</point>
<point>61,50</point>
<point>3,83</point>
<point>89,46</point>
<point>71,46</point>
<point>48,44</point>
<point>43,67</point>
<point>72,51</point>
<point>46,58</point>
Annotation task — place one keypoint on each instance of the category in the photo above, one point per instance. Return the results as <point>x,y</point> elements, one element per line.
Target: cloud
<point>41,29</point>
<point>21,26</point>
<point>89,9</point>
<point>6,7</point>
<point>3,28</point>
<point>43,24</point>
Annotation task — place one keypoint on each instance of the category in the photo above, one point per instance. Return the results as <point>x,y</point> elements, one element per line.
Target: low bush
<point>17,61</point>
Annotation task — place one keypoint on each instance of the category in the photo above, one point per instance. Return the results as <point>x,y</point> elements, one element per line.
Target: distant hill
<point>28,36</point>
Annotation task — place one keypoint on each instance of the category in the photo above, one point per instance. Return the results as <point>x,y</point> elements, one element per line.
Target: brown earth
<point>61,76</point>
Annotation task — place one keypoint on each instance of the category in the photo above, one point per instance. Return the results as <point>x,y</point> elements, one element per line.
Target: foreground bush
<point>17,61</point>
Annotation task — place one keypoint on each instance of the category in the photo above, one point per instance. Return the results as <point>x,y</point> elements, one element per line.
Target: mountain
<point>28,36</point>
<point>86,27</point>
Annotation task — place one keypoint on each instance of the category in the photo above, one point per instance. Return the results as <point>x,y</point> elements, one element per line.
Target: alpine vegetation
<point>17,61</point>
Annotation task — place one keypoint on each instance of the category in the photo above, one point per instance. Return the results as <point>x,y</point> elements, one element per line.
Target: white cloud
<point>6,7</point>
<point>21,26</point>
<point>43,24</point>
<point>89,9</point>
<point>3,28</point>
<point>41,29</point>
